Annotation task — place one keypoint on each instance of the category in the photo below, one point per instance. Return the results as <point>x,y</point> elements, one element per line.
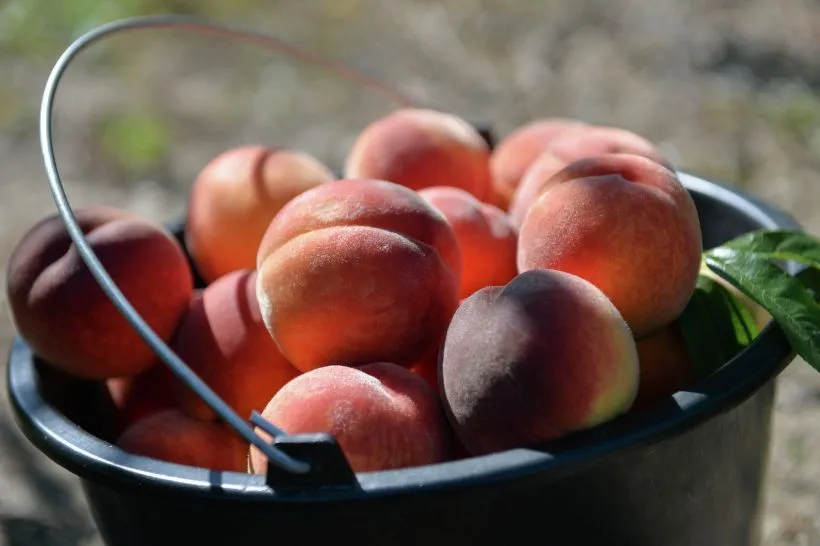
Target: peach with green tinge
<point>234,199</point>
<point>546,355</point>
<point>486,238</point>
<point>357,271</point>
<point>419,148</point>
<point>627,225</point>
<point>383,416</point>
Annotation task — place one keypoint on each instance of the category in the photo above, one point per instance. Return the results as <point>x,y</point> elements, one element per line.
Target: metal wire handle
<point>169,358</point>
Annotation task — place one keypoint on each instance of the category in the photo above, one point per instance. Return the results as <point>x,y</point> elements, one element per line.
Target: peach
<point>60,310</point>
<point>223,339</point>
<point>546,355</point>
<point>419,148</point>
<point>603,139</point>
<point>357,271</point>
<point>627,225</point>
<point>141,396</point>
<point>234,199</point>
<point>570,146</point>
<point>665,367</point>
<point>382,415</point>
<point>518,150</point>
<point>487,239</point>
<point>174,437</point>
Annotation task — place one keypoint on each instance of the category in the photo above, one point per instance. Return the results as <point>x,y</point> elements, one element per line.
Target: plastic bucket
<point>690,472</point>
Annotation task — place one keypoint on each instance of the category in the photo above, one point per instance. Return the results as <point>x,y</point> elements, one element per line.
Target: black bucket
<point>691,472</point>
<point>688,473</point>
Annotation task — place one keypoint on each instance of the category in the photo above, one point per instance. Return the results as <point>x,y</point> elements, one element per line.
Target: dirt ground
<point>728,89</point>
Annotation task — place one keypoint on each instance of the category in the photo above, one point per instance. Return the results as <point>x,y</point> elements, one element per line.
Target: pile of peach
<point>443,299</point>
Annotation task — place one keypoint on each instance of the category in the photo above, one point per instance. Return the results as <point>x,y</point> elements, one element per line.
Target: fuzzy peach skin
<point>236,196</point>
<point>61,311</point>
<point>546,355</point>
<point>419,148</point>
<point>487,239</point>
<point>357,271</point>
<point>174,437</point>
<point>626,224</point>
<point>514,154</point>
<point>223,338</point>
<point>665,367</point>
<point>572,145</point>
<point>382,415</point>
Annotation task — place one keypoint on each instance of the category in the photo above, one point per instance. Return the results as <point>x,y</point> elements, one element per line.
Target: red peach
<point>546,355</point>
<point>173,437</point>
<point>357,271</point>
<point>59,308</point>
<point>487,239</point>
<point>570,146</point>
<point>419,148</point>
<point>382,415</point>
<point>627,225</point>
<point>234,199</point>
<point>665,367</point>
<point>517,151</point>
<point>141,396</point>
<point>223,339</point>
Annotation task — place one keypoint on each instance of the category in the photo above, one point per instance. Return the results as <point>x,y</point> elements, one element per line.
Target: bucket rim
<point>94,459</point>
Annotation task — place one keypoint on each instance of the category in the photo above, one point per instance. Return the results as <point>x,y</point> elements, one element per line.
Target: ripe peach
<point>419,148</point>
<point>61,311</point>
<point>357,271</point>
<point>487,239</point>
<point>382,415</point>
<point>143,395</point>
<point>602,139</point>
<point>225,342</point>
<point>234,199</point>
<point>570,146</point>
<point>174,437</point>
<point>627,225</point>
<point>665,367</point>
<point>543,356</point>
<point>517,151</point>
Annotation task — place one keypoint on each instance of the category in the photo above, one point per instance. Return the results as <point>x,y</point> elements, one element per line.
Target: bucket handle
<point>298,460</point>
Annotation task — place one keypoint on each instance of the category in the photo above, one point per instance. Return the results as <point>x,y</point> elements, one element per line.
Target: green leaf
<point>715,326</point>
<point>784,296</point>
<point>810,277</point>
<point>780,244</point>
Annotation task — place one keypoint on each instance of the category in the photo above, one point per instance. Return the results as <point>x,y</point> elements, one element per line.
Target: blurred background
<point>728,89</point>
